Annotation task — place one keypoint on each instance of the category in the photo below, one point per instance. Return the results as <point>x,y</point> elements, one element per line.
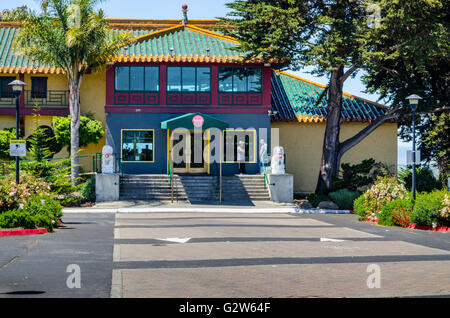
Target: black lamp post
<point>413,102</point>
<point>17,87</point>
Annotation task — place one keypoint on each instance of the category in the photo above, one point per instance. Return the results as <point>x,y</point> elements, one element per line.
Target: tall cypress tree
<point>335,37</point>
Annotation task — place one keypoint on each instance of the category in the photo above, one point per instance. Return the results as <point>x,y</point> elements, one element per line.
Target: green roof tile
<point>296,99</point>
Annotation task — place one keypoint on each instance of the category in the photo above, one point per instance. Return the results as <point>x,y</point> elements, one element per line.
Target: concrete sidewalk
<point>201,206</point>
<point>193,207</point>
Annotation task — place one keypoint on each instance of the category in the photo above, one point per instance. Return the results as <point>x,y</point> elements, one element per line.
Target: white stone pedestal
<point>107,187</point>
<point>281,187</point>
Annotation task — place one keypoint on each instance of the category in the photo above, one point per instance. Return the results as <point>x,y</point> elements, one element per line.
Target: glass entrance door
<point>188,150</point>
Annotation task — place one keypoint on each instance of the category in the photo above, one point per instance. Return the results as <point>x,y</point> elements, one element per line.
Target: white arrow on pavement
<point>175,239</point>
<point>324,239</point>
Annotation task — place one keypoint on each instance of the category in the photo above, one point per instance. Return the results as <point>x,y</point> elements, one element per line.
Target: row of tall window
<point>188,79</point>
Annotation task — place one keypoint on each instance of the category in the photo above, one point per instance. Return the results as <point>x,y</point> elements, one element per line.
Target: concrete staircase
<point>244,187</point>
<point>193,188</point>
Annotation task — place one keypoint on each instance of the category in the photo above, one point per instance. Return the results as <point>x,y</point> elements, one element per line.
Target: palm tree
<point>73,36</point>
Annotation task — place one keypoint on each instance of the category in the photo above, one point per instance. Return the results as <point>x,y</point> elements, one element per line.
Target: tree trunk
<point>74,106</point>
<point>328,167</point>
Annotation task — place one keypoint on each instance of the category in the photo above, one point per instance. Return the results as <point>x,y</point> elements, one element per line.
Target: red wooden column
<point>110,85</point>
<point>266,81</point>
<point>214,85</point>
<point>162,84</point>
<point>22,106</point>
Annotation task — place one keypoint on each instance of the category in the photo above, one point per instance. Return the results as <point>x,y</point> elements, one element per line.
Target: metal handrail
<point>171,179</point>
<point>266,179</point>
<point>216,169</point>
<point>95,158</point>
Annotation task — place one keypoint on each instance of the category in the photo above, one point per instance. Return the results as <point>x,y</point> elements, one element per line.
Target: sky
<point>198,9</point>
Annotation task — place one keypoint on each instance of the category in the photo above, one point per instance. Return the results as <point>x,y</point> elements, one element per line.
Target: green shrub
<point>38,143</point>
<point>17,218</point>
<point>385,217</point>
<point>358,177</point>
<point>432,209</point>
<point>5,136</point>
<point>344,198</point>
<point>358,207</point>
<point>425,179</point>
<point>57,175</point>
<point>88,190</point>
<point>40,211</point>
<point>44,205</point>
<point>397,212</point>
<point>90,131</point>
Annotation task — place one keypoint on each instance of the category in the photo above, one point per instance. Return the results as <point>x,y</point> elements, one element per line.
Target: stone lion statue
<point>277,163</point>
<point>107,159</point>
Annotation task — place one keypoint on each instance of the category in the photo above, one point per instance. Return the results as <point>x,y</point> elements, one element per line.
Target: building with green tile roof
<point>282,101</point>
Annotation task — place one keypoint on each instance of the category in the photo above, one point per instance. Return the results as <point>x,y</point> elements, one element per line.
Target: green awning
<point>187,121</point>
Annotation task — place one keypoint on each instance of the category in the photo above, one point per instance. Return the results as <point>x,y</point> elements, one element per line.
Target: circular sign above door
<point>198,121</point>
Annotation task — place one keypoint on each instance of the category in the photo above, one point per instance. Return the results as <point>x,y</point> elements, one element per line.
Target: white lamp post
<point>413,102</point>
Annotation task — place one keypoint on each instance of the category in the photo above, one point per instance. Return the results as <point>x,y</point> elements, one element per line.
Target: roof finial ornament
<point>184,8</point>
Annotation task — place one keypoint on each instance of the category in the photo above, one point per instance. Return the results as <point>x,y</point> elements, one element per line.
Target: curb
<point>23,232</point>
<point>443,229</point>
<point>322,211</point>
<point>181,210</point>
<point>429,228</point>
<point>207,210</point>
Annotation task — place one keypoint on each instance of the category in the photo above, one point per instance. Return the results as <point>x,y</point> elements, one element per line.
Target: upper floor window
<point>137,78</point>
<point>240,79</point>
<point>5,89</point>
<point>188,79</point>
<point>39,87</point>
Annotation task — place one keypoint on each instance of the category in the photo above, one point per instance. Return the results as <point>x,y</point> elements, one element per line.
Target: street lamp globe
<point>17,86</point>
<point>413,101</point>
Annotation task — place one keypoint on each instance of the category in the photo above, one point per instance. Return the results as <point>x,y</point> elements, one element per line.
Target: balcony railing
<point>7,101</point>
<point>52,98</point>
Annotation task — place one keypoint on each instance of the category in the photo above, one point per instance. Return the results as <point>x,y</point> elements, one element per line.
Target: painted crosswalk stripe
<point>175,239</point>
<point>324,239</point>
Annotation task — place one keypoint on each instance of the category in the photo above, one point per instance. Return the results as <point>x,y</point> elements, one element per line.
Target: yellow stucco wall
<point>303,144</point>
<point>7,122</point>
<point>92,99</point>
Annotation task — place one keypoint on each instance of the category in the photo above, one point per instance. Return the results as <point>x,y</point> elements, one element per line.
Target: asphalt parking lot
<point>225,255</point>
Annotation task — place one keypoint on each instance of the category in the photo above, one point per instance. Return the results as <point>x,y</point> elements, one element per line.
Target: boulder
<point>328,205</point>
<point>304,204</point>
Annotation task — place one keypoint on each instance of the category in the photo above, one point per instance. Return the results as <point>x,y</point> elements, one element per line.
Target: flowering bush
<point>397,212</point>
<point>40,211</point>
<point>445,211</point>
<point>383,191</point>
<point>15,196</point>
<point>432,209</point>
